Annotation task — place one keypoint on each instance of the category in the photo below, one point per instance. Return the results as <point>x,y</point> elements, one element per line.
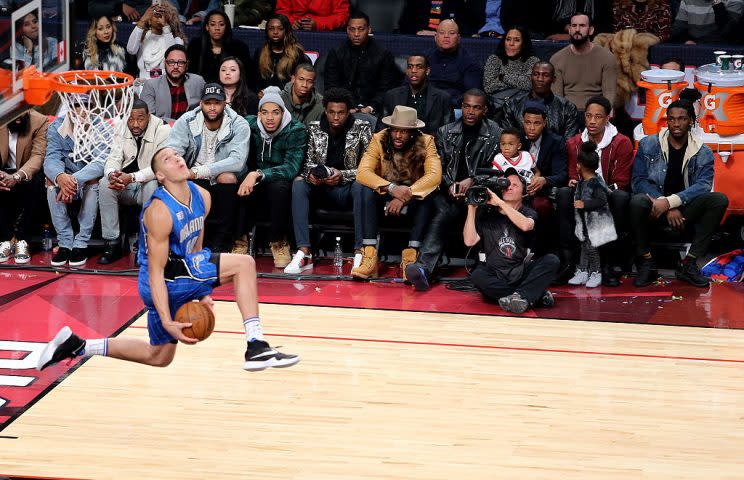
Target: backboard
<point>36,33</point>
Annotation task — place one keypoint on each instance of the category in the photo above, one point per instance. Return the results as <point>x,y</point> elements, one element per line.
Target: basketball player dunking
<point>174,269</point>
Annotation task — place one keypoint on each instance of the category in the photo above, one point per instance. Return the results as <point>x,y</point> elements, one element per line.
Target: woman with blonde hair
<point>101,52</point>
<point>279,56</point>
<point>156,30</point>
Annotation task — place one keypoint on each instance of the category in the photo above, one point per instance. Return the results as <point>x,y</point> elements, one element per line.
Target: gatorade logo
<point>665,99</point>
<point>714,102</point>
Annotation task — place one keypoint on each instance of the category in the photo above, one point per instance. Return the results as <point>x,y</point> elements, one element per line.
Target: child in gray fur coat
<point>594,224</point>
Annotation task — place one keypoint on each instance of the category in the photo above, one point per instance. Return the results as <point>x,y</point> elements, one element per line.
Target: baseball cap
<point>213,91</point>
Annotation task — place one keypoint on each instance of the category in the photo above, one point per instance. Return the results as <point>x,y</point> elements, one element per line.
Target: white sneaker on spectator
<point>21,252</point>
<point>579,278</point>
<point>594,280</point>
<point>300,262</point>
<point>6,250</point>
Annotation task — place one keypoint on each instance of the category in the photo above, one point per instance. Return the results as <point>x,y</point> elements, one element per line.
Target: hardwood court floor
<point>402,395</point>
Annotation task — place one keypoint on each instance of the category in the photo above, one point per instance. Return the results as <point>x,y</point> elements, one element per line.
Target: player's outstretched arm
<point>159,224</point>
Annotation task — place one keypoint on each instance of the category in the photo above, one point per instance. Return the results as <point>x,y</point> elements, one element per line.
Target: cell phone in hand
<point>456,188</point>
<point>157,3</point>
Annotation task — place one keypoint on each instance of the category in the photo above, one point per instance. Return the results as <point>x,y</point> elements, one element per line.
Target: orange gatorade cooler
<point>662,88</point>
<point>723,100</point>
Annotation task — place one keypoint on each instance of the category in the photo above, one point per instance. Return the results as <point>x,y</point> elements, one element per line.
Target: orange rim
<point>63,81</point>
<point>39,87</point>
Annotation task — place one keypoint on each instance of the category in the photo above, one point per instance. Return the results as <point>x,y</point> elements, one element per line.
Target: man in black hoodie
<point>362,66</point>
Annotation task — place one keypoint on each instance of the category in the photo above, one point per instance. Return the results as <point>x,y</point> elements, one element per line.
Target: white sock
<point>98,346</point>
<point>253,329</point>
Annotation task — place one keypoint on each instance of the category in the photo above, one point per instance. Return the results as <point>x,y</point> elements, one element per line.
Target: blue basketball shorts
<point>186,278</point>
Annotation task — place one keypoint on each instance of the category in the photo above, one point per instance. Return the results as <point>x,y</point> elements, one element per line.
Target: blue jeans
<point>302,192</point>
<point>367,206</point>
<point>86,217</point>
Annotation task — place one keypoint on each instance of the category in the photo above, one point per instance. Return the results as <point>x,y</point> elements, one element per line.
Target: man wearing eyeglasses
<point>173,94</point>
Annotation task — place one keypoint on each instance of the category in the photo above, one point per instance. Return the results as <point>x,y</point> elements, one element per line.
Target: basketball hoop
<point>98,105</point>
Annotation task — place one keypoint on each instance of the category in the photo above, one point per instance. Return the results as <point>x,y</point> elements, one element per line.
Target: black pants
<point>272,199</point>
<point>705,213</point>
<point>220,223</point>
<point>619,202</point>
<point>537,276</point>
<point>447,213</point>
<point>17,208</point>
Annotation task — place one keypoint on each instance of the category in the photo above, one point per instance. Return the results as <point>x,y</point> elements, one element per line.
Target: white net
<point>98,116</point>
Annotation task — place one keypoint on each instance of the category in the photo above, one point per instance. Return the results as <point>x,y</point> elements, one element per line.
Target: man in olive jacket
<point>276,153</point>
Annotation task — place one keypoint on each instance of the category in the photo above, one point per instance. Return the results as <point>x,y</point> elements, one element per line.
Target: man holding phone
<point>464,146</point>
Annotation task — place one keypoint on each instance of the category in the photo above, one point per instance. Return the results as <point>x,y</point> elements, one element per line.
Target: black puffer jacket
<point>367,72</point>
<point>449,142</point>
<point>562,115</point>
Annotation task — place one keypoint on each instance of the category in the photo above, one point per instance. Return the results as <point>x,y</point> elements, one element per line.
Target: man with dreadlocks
<point>399,170</point>
<point>672,182</point>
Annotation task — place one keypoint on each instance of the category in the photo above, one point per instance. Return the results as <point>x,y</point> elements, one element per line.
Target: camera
<point>321,172</point>
<point>478,193</point>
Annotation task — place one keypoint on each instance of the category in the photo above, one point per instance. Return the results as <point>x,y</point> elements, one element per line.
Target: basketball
<point>199,316</point>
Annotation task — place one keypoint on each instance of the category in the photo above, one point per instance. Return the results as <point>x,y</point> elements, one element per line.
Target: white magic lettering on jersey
<point>193,225</point>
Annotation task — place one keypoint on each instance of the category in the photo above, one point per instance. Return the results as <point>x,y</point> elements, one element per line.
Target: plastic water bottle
<point>338,258</point>
<point>46,238</point>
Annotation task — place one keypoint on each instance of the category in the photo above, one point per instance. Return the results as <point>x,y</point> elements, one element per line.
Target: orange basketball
<point>199,316</point>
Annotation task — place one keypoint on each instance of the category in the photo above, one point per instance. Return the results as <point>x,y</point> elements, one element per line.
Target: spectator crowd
<point>567,199</point>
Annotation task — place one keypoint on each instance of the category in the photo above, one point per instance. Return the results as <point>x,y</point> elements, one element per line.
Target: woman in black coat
<point>215,44</point>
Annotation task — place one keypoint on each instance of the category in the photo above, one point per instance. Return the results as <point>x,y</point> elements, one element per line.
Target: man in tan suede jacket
<point>397,173</point>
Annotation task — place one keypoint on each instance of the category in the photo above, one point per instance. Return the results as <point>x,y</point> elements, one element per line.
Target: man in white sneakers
<point>335,146</point>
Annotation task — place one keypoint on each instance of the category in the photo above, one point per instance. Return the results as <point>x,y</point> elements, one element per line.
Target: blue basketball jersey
<point>188,222</point>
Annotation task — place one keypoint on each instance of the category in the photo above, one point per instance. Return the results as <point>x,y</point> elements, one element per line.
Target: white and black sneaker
<point>61,258</point>
<point>78,257</point>
<point>259,356</point>
<point>64,345</point>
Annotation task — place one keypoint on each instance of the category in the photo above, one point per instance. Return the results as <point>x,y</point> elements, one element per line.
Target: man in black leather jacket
<point>362,66</point>
<point>464,146</point>
<point>562,114</point>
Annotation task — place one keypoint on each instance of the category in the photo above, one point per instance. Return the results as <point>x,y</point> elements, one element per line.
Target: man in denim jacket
<point>672,181</point>
<point>213,140</point>
<point>74,176</point>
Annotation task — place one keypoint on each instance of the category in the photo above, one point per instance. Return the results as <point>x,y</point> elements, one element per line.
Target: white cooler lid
<point>659,75</point>
<point>712,74</point>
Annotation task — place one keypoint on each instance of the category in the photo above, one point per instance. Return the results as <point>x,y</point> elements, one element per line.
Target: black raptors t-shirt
<point>504,244</point>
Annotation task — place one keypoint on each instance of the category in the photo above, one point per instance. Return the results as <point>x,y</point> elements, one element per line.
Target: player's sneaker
<point>64,345</point>
<point>259,355</point>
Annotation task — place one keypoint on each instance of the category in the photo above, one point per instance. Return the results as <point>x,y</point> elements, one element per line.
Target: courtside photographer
<point>505,226</point>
